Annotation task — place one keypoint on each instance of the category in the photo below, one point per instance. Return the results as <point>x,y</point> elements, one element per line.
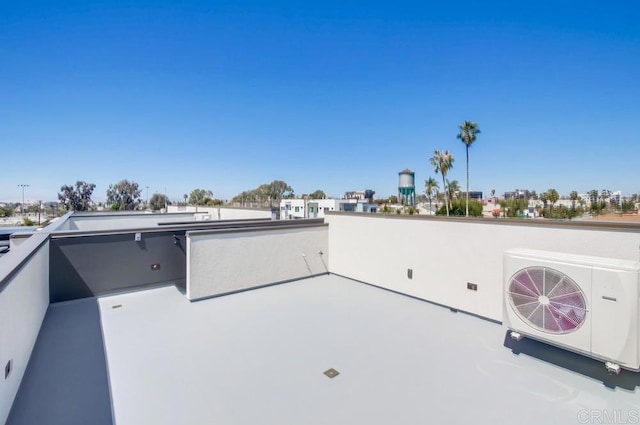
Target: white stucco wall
<point>446,254</point>
<point>119,221</point>
<point>223,213</point>
<point>23,304</point>
<point>123,220</point>
<point>223,262</point>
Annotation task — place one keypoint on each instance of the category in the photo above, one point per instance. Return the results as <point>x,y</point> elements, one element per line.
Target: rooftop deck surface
<point>258,357</point>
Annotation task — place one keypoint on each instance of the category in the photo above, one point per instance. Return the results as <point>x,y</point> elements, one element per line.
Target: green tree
<point>393,199</point>
<point>76,198</point>
<point>564,213</point>
<point>442,162</point>
<point>468,132</point>
<point>124,195</point>
<point>573,196</point>
<point>197,196</point>
<point>553,197</point>
<point>318,194</point>
<point>6,211</point>
<point>278,190</point>
<point>533,195</point>
<point>431,190</point>
<point>241,198</point>
<point>158,201</point>
<point>458,209</point>
<point>212,202</point>
<point>605,197</point>
<point>544,197</point>
<point>627,205</point>
<point>265,193</point>
<point>514,207</point>
<point>453,187</point>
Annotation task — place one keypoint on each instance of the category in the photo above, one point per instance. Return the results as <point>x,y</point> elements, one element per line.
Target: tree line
<point>265,194</point>
<point>125,195</point>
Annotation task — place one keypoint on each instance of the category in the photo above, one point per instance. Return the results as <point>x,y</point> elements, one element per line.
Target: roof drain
<point>331,373</point>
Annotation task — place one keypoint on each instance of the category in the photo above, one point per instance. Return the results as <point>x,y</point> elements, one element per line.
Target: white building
<point>315,208</point>
<point>617,197</point>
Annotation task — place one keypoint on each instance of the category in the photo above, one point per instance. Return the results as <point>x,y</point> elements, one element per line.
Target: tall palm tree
<point>468,131</point>
<point>431,190</point>
<point>442,162</point>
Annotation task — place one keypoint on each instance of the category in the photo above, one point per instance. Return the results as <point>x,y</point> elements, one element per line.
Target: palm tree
<point>431,190</point>
<point>553,197</point>
<point>544,197</point>
<point>573,196</point>
<point>453,187</point>
<point>442,162</point>
<point>468,132</point>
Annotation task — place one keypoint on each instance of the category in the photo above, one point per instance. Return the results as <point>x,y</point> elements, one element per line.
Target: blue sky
<point>332,95</point>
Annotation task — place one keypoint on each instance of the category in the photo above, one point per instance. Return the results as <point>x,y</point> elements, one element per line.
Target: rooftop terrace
<point>245,329</point>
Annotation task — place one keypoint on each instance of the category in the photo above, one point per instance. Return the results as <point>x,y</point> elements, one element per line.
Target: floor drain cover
<point>331,373</point>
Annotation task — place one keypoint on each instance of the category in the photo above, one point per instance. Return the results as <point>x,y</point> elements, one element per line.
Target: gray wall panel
<point>92,265</point>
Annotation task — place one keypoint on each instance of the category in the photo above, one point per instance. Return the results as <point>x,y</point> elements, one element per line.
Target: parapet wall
<point>444,254</point>
<point>225,261</point>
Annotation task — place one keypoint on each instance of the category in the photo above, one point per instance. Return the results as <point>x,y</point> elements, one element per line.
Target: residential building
<point>317,208</point>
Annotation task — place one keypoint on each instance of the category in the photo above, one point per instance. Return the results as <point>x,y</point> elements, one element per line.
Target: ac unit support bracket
<point>516,335</point>
<point>612,367</point>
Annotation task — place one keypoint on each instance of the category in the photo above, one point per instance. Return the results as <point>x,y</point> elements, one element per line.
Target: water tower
<point>407,187</point>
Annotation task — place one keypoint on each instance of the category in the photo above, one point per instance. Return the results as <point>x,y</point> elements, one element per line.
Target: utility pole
<point>22,204</point>
<point>147,187</point>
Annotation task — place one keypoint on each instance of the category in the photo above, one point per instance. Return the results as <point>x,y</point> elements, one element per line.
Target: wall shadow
<point>575,362</point>
<point>66,379</point>
<point>101,264</point>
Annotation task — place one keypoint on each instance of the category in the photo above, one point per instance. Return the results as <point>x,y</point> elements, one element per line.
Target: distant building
<point>518,194</point>
<point>473,194</point>
<point>354,194</point>
<point>360,206</point>
<point>316,208</point>
<point>616,197</point>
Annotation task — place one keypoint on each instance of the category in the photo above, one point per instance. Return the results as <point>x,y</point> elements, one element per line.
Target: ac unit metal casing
<point>584,304</point>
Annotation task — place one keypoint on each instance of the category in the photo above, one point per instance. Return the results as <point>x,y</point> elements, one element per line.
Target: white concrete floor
<point>258,357</point>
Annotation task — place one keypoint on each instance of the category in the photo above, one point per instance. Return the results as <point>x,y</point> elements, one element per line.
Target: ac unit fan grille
<point>547,300</point>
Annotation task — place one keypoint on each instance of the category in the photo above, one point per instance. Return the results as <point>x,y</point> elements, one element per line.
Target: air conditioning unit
<point>588,305</point>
